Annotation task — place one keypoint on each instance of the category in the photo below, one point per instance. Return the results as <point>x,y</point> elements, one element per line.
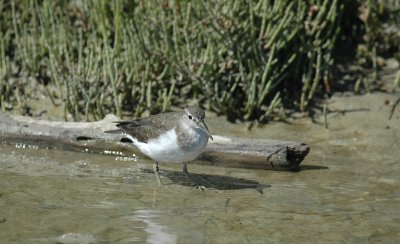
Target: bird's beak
<point>202,124</point>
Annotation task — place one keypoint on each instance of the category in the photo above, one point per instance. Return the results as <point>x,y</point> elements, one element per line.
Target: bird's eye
<point>190,116</point>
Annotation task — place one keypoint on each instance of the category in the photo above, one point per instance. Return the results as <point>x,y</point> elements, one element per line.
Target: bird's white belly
<point>165,149</point>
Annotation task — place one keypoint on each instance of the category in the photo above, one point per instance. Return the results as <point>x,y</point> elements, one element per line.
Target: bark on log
<point>90,137</point>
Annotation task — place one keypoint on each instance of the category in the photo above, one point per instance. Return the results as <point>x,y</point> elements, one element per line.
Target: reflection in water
<point>72,238</point>
<point>157,233</point>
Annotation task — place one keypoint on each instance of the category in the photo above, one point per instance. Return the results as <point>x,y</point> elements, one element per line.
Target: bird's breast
<point>173,147</point>
<point>191,138</point>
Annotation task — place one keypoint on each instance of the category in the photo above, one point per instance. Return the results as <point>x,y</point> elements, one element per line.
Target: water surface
<point>346,191</point>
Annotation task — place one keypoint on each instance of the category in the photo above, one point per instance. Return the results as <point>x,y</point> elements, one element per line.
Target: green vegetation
<point>244,59</point>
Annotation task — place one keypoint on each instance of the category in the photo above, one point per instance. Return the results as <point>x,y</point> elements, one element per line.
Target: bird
<point>172,137</point>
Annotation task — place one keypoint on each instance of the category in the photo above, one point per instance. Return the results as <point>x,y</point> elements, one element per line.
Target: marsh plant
<point>244,59</point>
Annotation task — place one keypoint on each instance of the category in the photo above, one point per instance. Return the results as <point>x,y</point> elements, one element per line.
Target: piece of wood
<point>90,137</point>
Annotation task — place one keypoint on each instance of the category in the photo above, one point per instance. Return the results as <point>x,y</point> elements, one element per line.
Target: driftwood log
<point>90,137</point>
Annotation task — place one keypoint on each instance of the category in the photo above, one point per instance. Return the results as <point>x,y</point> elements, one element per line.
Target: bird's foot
<point>156,172</point>
<point>200,188</point>
<point>196,184</point>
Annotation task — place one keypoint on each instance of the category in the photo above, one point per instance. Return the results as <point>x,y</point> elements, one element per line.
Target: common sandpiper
<point>174,137</point>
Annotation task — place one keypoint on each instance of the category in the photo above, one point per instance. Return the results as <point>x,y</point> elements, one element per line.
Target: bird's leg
<point>156,169</point>
<point>196,183</point>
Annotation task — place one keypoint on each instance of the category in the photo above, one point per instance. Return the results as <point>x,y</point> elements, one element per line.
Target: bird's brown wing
<point>151,127</point>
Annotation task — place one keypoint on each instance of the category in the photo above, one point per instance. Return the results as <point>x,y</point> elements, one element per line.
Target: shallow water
<point>348,190</point>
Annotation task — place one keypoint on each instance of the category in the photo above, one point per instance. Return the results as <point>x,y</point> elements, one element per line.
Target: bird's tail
<point>123,125</point>
<point>117,131</point>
